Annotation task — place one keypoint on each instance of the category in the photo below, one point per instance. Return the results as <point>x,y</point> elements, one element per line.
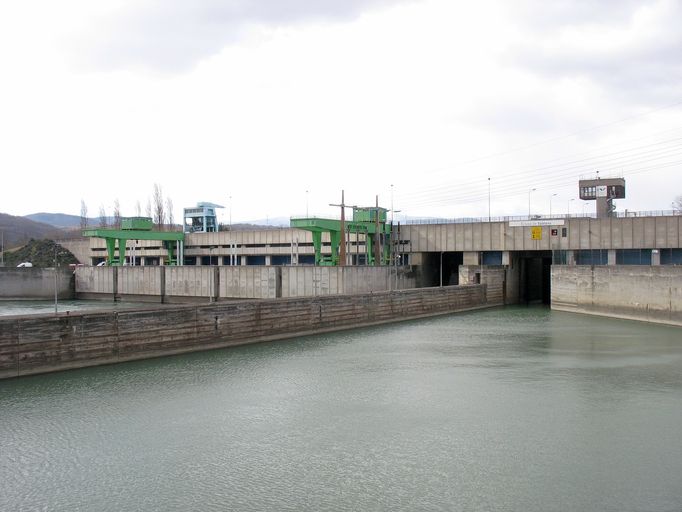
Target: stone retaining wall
<point>45,343</point>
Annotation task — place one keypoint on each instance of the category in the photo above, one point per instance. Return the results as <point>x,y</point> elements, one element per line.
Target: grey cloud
<point>541,15</point>
<point>172,35</point>
<point>522,115</point>
<point>646,71</point>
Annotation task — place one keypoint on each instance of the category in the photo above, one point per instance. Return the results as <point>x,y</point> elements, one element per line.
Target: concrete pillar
<point>570,257</point>
<point>655,257</point>
<point>268,259</point>
<point>417,258</point>
<point>611,257</point>
<point>471,258</point>
<point>243,260</point>
<point>197,261</point>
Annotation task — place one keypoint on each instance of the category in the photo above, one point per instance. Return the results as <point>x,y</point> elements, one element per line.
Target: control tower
<point>201,219</point>
<point>604,191</point>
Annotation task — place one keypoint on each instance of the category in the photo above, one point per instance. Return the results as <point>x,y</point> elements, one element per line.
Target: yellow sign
<point>536,233</point>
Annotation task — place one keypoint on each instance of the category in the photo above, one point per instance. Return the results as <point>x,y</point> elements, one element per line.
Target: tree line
<point>160,210</point>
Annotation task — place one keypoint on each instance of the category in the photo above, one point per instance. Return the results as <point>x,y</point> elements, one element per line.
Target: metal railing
<point>467,220</point>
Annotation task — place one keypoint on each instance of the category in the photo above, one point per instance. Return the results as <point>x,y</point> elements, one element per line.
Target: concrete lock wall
<point>638,292</point>
<point>95,281</point>
<point>249,282</point>
<point>494,277</point>
<point>45,343</point>
<point>36,283</point>
<point>161,284</point>
<point>311,281</point>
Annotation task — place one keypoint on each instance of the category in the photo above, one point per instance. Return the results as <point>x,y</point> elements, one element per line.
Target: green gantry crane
<point>136,228</point>
<point>370,221</point>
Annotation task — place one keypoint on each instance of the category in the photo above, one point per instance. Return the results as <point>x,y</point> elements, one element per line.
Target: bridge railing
<point>467,220</point>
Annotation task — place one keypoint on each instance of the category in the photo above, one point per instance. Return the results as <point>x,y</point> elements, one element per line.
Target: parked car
<point>25,264</point>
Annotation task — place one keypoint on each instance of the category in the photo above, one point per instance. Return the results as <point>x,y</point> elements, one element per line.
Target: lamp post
<point>488,198</point>
<point>550,204</point>
<point>55,279</point>
<point>529,192</point>
<point>391,203</point>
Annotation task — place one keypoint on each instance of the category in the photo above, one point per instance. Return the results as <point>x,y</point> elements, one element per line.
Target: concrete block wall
<point>45,343</point>
<point>248,282</point>
<point>492,276</point>
<point>95,280</point>
<point>162,284</point>
<point>638,292</point>
<point>582,233</point>
<point>189,281</point>
<point>35,283</point>
<point>140,280</point>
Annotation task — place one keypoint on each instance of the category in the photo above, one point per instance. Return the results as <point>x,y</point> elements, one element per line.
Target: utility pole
<point>488,199</point>
<point>342,244</point>
<point>55,279</point>
<point>377,238</point>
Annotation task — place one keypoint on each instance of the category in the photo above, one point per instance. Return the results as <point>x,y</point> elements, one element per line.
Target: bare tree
<point>148,209</point>
<point>84,215</point>
<point>169,213</point>
<point>102,217</point>
<point>138,209</point>
<point>159,214</point>
<point>117,213</point>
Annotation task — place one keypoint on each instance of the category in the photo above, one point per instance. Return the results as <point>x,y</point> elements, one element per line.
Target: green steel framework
<point>369,221</point>
<point>135,228</point>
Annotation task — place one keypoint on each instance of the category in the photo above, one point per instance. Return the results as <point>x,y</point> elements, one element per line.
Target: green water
<point>507,409</point>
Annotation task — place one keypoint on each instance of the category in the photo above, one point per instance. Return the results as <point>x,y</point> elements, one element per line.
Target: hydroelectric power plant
<point>480,398</point>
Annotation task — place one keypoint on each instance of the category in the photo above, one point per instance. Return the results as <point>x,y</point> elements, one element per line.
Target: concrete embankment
<point>36,283</point>
<point>636,292</point>
<point>46,343</point>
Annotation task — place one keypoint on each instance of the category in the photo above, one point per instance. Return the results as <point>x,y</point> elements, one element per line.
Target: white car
<point>25,264</point>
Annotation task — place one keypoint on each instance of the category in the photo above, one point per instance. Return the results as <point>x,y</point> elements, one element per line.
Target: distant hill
<point>19,230</point>
<point>61,220</point>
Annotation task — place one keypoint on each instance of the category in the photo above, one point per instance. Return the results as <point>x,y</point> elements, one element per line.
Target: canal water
<point>515,409</point>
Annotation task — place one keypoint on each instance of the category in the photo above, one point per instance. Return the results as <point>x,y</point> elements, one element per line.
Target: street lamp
<point>529,192</point>
<point>550,204</point>
<point>391,203</point>
<point>488,198</point>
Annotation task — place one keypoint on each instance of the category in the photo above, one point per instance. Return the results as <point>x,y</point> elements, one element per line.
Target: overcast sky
<point>275,106</point>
